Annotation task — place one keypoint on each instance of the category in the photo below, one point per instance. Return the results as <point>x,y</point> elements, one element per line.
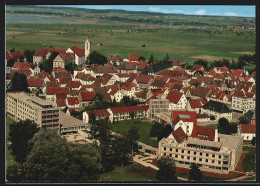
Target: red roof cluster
<point>52,83</point>
<point>195,103</point>
<point>117,58</point>
<point>143,79</point>
<point>17,54</point>
<point>74,84</point>
<point>22,65</point>
<point>127,86</point>
<point>44,51</point>
<point>130,109</point>
<point>79,52</point>
<point>61,102</point>
<point>205,133</point>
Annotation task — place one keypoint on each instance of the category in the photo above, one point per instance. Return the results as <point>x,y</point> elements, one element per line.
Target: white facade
<point>243,104</point>
<point>181,104</point>
<point>87,48</point>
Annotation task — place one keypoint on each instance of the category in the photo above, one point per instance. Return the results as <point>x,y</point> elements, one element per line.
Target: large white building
<point>22,106</point>
<point>243,101</point>
<point>210,151</point>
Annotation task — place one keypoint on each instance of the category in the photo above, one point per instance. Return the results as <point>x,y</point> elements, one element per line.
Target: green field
<point>182,42</point>
<point>144,128</point>
<point>131,172</point>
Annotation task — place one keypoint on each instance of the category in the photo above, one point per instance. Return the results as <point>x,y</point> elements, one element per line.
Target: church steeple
<point>87,47</point>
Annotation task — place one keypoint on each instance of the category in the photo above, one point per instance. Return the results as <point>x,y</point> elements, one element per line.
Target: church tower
<point>87,47</point>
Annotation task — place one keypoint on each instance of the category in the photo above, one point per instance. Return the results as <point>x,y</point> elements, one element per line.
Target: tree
<point>107,155</point>
<point>212,117</point>
<point>141,58</point>
<point>20,133</point>
<point>202,62</point>
<point>132,136</point>
<point>19,82</point>
<point>48,159</point>
<point>253,141</point>
<point>151,59</point>
<point>167,129</point>
<point>125,100</point>
<point>29,55</point>
<point>47,64</point>
<point>14,173</point>
<point>166,170</point>
<point>243,120</point>
<point>84,164</point>
<point>195,174</point>
<point>132,115</point>
<point>156,129</point>
<point>93,124</point>
<point>250,160</point>
<point>71,67</point>
<point>122,150</point>
<point>104,129</point>
<point>167,58</point>
<point>96,58</point>
<point>224,127</point>
<point>10,62</point>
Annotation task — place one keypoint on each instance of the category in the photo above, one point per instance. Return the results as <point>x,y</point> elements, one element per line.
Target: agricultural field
<point>183,41</point>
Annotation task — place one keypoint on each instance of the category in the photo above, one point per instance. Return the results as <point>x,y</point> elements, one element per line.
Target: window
<point>176,156</point>
<point>194,153</point>
<point>200,159</point>
<point>188,157</point>
<point>219,156</point>
<point>213,161</point>
<point>219,162</point>
<point>182,151</point>
<point>182,157</point>
<point>201,154</point>
<point>170,149</point>
<point>188,152</point>
<point>164,148</point>
<point>213,155</point>
<point>207,154</point>
<point>194,158</point>
<point>164,154</point>
<point>206,160</point>
<point>176,150</point>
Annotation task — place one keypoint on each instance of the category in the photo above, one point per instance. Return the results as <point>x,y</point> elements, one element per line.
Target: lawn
<point>144,128</point>
<point>213,125</point>
<point>131,172</point>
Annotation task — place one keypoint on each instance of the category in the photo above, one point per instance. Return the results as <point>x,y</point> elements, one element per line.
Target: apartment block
<point>22,106</point>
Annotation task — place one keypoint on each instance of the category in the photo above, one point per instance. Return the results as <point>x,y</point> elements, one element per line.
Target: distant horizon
<point>199,10</point>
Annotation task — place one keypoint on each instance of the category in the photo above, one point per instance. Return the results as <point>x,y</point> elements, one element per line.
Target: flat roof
<point>31,98</point>
<point>230,141</point>
<point>207,143</point>
<point>69,121</point>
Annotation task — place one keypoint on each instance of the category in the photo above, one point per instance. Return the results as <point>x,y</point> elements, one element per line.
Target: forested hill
<point>132,16</point>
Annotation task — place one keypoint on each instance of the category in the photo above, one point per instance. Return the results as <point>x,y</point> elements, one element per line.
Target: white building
<point>247,131</point>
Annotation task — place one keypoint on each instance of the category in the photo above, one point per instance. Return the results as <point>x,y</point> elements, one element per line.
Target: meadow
<point>184,43</point>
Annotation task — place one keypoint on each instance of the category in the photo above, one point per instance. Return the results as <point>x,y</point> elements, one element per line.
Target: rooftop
<point>69,121</point>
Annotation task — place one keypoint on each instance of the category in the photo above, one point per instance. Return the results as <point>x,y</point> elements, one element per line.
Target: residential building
<point>100,114</point>
<point>247,131</point>
<point>22,106</point>
<point>243,101</point>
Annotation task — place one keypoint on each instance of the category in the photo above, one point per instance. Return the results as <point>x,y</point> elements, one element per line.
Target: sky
<point>216,10</point>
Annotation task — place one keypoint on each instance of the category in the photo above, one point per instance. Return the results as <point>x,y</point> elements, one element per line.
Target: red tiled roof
<point>176,63</point>
<point>58,69</point>
<point>197,67</point>
<point>100,112</point>
<point>74,84</point>
<point>165,79</point>
<point>243,95</point>
<point>205,133</point>
<point>17,54</point>
<point>247,128</point>
<point>174,96</point>
<point>117,58</point>
<point>52,83</point>
<point>55,90</point>
<point>74,92</point>
<point>129,109</point>
<point>254,73</point>
<point>25,72</point>
<point>212,72</point>
<point>87,95</point>
<point>73,100</point>
<point>127,86</point>
<point>144,79</point>
<point>156,91</point>
<point>134,57</point>
<point>44,51</point>
<point>61,102</point>
<point>21,65</point>
<point>79,52</point>
<point>195,103</point>
<point>237,72</point>
<point>222,69</point>
<point>61,96</point>
<point>179,135</point>
<point>34,82</point>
